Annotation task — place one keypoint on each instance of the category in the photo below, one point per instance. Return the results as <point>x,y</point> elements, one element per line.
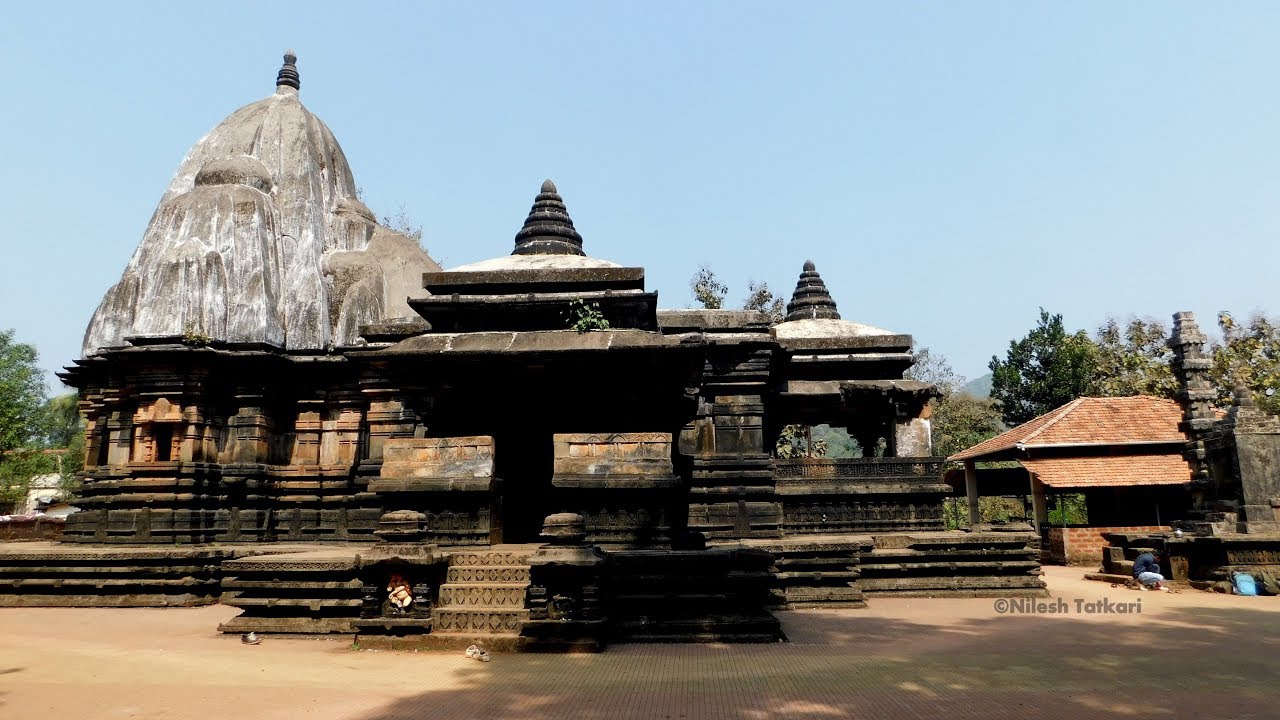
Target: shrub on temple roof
<point>585,316</point>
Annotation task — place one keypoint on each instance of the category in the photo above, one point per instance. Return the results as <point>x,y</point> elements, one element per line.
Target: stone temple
<point>294,410</point>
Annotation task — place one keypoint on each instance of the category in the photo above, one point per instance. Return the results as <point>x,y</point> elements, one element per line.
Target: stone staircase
<point>483,596</point>
<point>950,564</point>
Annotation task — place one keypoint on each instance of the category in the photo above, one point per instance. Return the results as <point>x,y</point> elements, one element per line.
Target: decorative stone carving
<point>436,464</point>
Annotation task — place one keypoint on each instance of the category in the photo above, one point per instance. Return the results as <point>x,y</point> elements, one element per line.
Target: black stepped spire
<point>548,230</point>
<point>811,299</point>
<point>288,74</point>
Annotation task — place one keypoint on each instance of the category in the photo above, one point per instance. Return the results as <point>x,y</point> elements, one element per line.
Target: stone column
<point>971,490</point>
<point>1039,506</point>
<point>250,430</point>
<point>1196,396</point>
<point>306,433</point>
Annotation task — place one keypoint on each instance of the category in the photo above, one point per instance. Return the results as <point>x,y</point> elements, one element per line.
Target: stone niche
<point>619,482</point>
<point>158,432</point>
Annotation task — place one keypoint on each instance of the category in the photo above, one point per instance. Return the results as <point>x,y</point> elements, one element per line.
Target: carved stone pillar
<point>250,430</point>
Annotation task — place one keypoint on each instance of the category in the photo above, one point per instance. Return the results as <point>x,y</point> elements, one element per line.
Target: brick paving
<point>1192,655</point>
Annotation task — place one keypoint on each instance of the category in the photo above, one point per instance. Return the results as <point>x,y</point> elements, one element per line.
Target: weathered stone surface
<point>425,464</point>
<point>639,460</point>
<point>261,238</point>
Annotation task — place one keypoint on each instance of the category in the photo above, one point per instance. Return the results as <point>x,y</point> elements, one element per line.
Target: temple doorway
<point>522,499</point>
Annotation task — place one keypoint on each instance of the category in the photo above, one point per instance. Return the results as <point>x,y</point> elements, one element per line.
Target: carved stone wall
<point>619,482</point>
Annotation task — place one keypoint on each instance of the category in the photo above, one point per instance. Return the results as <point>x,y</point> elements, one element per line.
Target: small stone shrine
<point>1233,523</point>
<point>523,448</point>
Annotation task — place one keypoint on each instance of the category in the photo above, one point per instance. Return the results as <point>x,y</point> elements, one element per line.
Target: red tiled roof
<point>1113,470</point>
<point>1090,420</point>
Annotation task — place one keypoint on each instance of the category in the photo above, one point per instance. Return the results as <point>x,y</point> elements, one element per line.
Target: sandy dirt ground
<point>1192,655</point>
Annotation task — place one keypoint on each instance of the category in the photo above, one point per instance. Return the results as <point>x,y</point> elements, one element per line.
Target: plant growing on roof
<point>193,337</point>
<point>585,317</point>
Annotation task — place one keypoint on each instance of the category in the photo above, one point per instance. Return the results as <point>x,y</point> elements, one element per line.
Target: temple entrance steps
<point>954,564</point>
<point>40,574</point>
<point>713,595</point>
<point>483,596</point>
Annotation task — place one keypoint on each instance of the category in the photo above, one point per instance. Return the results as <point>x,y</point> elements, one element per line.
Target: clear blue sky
<point>950,167</point>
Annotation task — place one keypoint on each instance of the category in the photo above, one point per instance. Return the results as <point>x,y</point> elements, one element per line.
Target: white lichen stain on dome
<point>260,238</point>
<point>824,328</point>
<point>536,262</point>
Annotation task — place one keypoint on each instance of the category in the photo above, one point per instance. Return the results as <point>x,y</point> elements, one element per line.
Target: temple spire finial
<point>811,300</point>
<point>548,230</point>
<point>288,75</point>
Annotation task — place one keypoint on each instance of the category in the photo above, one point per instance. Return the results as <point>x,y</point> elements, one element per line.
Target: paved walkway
<point>1192,655</point>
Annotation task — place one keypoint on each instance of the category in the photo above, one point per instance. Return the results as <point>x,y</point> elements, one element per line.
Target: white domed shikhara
<point>260,238</point>
<point>812,313</point>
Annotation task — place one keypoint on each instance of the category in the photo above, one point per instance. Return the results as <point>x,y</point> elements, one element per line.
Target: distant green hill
<point>978,387</point>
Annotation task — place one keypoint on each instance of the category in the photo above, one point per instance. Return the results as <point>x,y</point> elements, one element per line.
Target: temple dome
<point>812,313</point>
<point>546,241</point>
<point>260,237</point>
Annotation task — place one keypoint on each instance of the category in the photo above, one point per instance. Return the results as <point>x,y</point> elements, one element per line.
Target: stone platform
<point>47,574</point>
<point>479,594</point>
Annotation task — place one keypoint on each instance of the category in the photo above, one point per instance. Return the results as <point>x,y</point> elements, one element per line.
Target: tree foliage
<point>1133,360</point>
<point>1047,368</point>
<point>403,224</point>
<point>25,420</point>
<point>797,441</point>
<point>707,290</point>
<point>22,394</point>
<point>928,366</point>
<point>761,298</point>
<point>1248,357</point>
<point>959,419</point>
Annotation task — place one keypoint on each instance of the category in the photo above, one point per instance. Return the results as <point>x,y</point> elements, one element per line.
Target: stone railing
<point>893,469</point>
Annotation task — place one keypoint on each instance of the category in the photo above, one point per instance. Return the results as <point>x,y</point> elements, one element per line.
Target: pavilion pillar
<point>1039,506</point>
<point>971,491</point>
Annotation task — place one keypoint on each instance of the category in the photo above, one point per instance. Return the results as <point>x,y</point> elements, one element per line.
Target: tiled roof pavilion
<point>1096,442</point>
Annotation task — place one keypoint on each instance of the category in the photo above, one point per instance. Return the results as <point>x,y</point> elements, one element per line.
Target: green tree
<point>1047,368</point>
<point>760,297</point>
<point>707,290</point>
<point>959,420</point>
<point>22,394</point>
<point>1133,360</point>
<point>797,441</point>
<point>64,429</point>
<point>24,420</point>
<point>1248,357</point>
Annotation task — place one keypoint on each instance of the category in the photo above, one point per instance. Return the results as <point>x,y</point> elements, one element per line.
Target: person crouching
<point>1146,570</point>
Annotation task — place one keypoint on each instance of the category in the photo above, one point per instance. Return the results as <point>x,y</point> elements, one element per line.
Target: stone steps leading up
<point>479,620</point>
<point>977,564</point>
<point>474,574</point>
<point>483,597</point>
<point>483,594</point>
